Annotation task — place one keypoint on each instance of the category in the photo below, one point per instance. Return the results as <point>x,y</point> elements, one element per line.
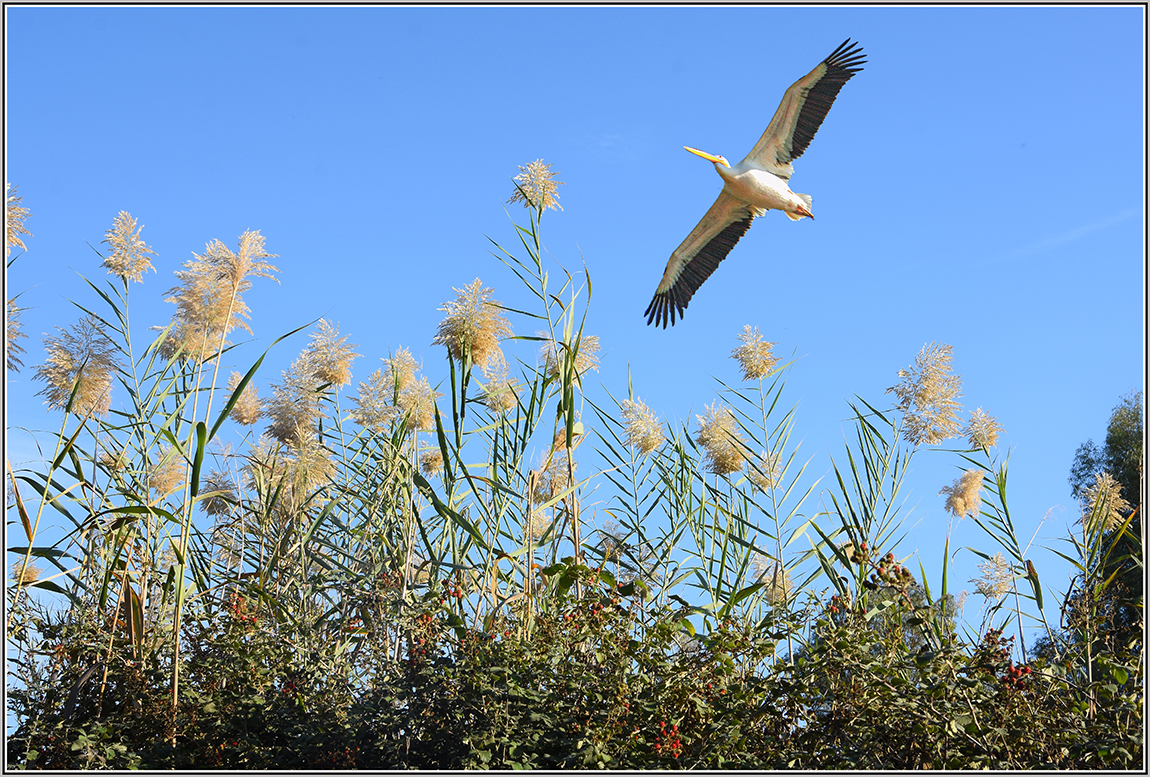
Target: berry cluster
<point>417,647</point>
<point>859,554</point>
<point>451,589</point>
<point>238,607</point>
<point>389,580</point>
<point>1015,676</point>
<point>667,741</point>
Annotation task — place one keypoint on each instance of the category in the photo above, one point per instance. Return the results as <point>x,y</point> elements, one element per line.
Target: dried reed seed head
<point>167,474</point>
<point>12,333</point>
<point>246,411</point>
<point>555,353</point>
<point>537,525</point>
<point>202,317</point>
<point>114,461</point>
<point>501,392</point>
<point>329,356</point>
<point>22,575</point>
<point>399,371</point>
<point>1103,505</point>
<point>928,396</point>
<point>265,464</point>
<point>310,465</point>
<point>719,436</point>
<point>641,426</point>
<point>417,404</point>
<point>249,261</point>
<point>754,355</point>
<point>559,441</point>
<point>393,391</point>
<point>431,462</point>
<point>965,496</point>
<point>554,477</point>
<point>473,326</point>
<point>996,579</point>
<point>536,187</point>
<point>765,472</point>
<point>209,301</point>
<point>294,404</point>
<point>218,492</point>
<point>775,578</point>
<point>375,409</point>
<point>14,221</point>
<point>611,544</point>
<point>129,257</point>
<point>229,547</point>
<point>983,429</point>
<point>83,358</point>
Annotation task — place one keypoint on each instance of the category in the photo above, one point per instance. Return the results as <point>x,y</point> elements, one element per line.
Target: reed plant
<point>505,564</point>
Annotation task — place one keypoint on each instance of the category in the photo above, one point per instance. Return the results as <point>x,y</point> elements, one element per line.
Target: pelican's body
<point>755,185</point>
<point>748,182</point>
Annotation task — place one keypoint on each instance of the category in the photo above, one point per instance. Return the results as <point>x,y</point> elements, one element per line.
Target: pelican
<point>755,185</point>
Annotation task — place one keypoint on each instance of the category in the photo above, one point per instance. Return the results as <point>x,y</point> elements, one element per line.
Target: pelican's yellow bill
<point>704,154</point>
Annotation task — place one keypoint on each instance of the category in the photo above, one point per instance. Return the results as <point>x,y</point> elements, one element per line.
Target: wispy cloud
<point>1062,238</point>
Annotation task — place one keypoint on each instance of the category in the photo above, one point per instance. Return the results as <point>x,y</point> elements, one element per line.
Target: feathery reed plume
<point>114,461</point>
<point>754,355</point>
<point>775,578</point>
<point>642,426</point>
<point>28,576</point>
<point>311,464</point>
<point>83,358</point>
<point>537,525</point>
<point>12,333</point>
<point>501,392</point>
<point>996,579</point>
<point>129,257</point>
<point>965,496</point>
<point>536,186</point>
<point>14,221</point>
<point>473,325</point>
<point>246,411</point>
<point>431,462</point>
<point>395,392</point>
<point>1102,503</point>
<point>209,302</point>
<point>553,476</point>
<point>219,493</point>
<point>294,404</point>
<point>610,544</point>
<point>983,429</point>
<point>330,358</point>
<point>265,464</point>
<point>167,474</point>
<point>927,395</point>
<point>417,403</point>
<point>765,472</point>
<point>719,436</point>
<point>585,358</point>
<point>375,408</point>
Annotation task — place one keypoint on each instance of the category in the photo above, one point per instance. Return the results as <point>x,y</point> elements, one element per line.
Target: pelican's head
<point>719,160</point>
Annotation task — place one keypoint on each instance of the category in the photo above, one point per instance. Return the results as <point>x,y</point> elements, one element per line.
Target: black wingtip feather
<point>665,304</point>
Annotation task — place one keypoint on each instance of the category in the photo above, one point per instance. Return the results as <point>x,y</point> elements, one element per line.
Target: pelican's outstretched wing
<point>698,256</point>
<point>803,109</point>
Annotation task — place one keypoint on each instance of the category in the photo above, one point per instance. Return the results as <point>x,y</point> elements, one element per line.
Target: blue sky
<point>980,183</point>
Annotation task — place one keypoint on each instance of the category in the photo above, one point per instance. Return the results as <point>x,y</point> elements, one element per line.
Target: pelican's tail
<point>806,198</point>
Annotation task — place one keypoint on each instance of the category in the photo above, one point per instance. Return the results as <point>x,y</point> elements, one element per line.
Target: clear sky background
<point>981,183</point>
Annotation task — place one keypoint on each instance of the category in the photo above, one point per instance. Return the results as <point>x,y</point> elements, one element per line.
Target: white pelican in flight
<point>755,185</point>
